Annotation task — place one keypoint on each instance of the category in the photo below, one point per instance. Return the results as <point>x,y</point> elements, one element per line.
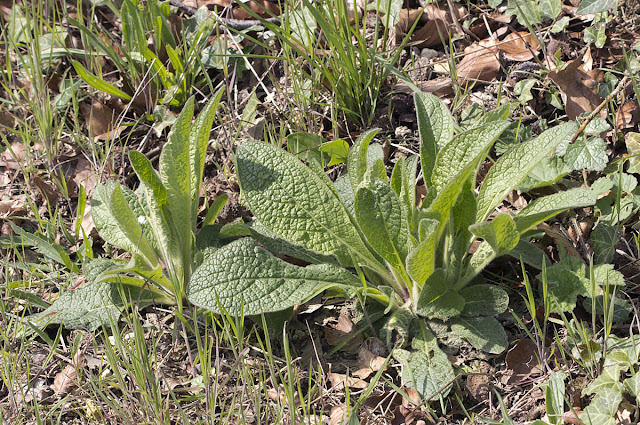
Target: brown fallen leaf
<point>438,88</point>
<point>628,115</point>
<point>66,380</point>
<point>368,360</point>
<point>522,360</point>
<point>519,46</point>
<point>434,27</point>
<point>263,8</point>
<point>480,62</point>
<point>577,86</point>
<point>339,380</point>
<point>344,332</point>
<point>479,386</point>
<point>99,117</point>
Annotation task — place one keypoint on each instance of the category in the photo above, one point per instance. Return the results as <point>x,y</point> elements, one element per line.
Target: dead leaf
<point>263,8</point>
<point>344,332</point>
<point>577,88</point>
<point>627,115</point>
<point>49,191</point>
<point>522,360</point>
<point>339,380</point>
<point>18,154</point>
<point>339,414</point>
<point>99,117</point>
<point>480,62</point>
<point>438,88</point>
<point>66,380</point>
<point>519,46</point>
<point>368,360</point>
<point>437,24</point>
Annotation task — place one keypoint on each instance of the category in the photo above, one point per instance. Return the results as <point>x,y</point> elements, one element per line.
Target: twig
<point>234,24</point>
<point>596,111</point>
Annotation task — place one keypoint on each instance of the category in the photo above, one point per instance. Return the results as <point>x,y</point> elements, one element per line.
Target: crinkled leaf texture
<point>244,278</point>
<point>90,306</point>
<point>484,333</point>
<point>427,367</point>
<point>295,203</point>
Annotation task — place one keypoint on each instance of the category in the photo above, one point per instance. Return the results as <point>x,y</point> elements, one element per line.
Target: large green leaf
<point>465,148</point>
<point>546,207</point>
<point>501,233</point>
<point>588,7</point>
<point>198,142</point>
<point>514,166</point>
<point>175,171</point>
<point>436,127</point>
<point>295,203</point>
<point>244,278</point>
<point>484,333</point>
<point>117,223</point>
<point>383,221</point>
<point>603,408</point>
<point>590,154</point>
<point>484,300</point>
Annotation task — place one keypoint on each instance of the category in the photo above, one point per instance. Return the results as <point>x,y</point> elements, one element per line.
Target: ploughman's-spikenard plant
<point>365,234</point>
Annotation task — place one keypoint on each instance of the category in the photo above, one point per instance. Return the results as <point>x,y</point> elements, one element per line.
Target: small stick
<point>235,24</point>
<point>596,111</point>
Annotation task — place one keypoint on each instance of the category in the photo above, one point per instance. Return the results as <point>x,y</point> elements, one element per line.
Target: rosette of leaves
<point>155,224</point>
<point>365,233</point>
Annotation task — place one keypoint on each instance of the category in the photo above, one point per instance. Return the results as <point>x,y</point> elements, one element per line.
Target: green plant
<point>334,41</point>
<point>365,235</point>
<point>156,225</point>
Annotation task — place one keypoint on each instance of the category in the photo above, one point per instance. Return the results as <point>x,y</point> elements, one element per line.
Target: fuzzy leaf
<point>436,300</point>
<point>427,367</point>
<point>243,278</point>
<point>484,333</point>
<point>500,233</point>
<point>436,127</point>
<point>546,207</point>
<point>484,300</point>
<point>383,222</point>
<point>421,262</point>
<point>465,148</point>
<point>295,203</point>
<point>516,164</point>
<point>357,160</point>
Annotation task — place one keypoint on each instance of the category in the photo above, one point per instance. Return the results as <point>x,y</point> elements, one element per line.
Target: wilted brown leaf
<point>577,87</point>
<point>66,380</point>
<point>344,332</point>
<point>480,62</point>
<point>522,360</point>
<point>338,415</point>
<point>338,381</point>
<point>627,115</point>
<point>519,46</point>
<point>99,117</point>
<point>437,24</point>
<point>368,360</point>
<point>263,8</point>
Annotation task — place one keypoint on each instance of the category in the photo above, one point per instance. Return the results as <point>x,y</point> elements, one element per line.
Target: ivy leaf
<point>603,241</point>
<point>484,333</point>
<point>550,8</point>
<point>244,278</point>
<point>608,379</point>
<point>632,385</point>
<point>602,409</point>
<point>590,154</point>
<point>588,7</point>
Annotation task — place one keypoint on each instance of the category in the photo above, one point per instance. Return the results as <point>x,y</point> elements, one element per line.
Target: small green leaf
<point>338,150</point>
<point>516,164</point>
<point>609,379</point>
<point>548,172</point>
<point>588,7</point>
<point>484,333</point>
<point>603,241</point>
<point>484,300</point>
<point>357,160</point>
<point>632,140</point>
<point>590,154</point>
<point>554,389</point>
<point>97,83</point>
<point>243,278</point>
<point>550,9</point>
<point>632,385</point>
<point>427,367</point>
<point>214,209</point>
<point>501,233</point>
<point>421,262</point>
<point>306,146</point>
<point>436,300</point>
